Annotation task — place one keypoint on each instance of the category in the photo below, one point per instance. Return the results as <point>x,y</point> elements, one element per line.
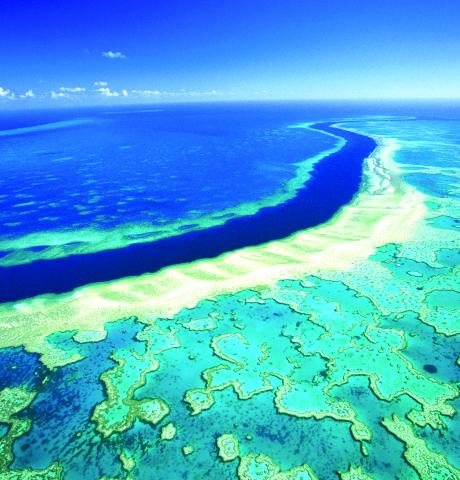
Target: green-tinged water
<point>351,374</point>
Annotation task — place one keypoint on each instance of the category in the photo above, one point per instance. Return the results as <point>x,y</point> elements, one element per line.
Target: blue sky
<point>87,52</point>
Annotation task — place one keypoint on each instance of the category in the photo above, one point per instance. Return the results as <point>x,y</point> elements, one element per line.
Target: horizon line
<point>16,107</point>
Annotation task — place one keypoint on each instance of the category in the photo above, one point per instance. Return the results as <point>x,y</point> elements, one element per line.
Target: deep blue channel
<point>333,183</point>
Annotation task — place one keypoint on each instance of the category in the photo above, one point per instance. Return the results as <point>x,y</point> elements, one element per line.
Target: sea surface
<point>349,373</point>
<point>79,181</point>
<point>166,168</point>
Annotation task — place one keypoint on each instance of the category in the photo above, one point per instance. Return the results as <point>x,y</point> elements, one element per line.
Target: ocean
<point>302,318</point>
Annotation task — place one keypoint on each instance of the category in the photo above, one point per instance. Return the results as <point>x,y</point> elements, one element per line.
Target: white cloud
<point>72,89</point>
<point>107,92</point>
<point>182,93</point>
<point>146,93</point>
<point>4,92</point>
<point>124,92</point>
<point>100,84</point>
<point>59,95</point>
<point>28,94</point>
<point>110,54</point>
<point>197,93</point>
<point>7,93</point>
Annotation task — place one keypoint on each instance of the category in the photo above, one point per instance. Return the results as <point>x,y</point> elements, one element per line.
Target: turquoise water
<point>427,145</point>
<point>304,372</point>
<point>66,404</point>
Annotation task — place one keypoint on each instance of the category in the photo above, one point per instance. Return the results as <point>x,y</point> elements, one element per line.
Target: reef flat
<point>330,354</point>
